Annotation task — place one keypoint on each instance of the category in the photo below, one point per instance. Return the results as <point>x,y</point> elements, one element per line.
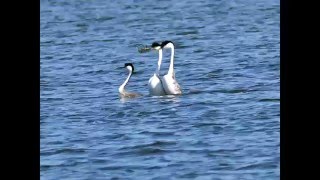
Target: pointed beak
<point>157,48</point>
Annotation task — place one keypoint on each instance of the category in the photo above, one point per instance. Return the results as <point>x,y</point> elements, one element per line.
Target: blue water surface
<point>226,124</point>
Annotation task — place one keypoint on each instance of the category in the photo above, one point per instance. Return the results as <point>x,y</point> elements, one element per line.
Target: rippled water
<point>225,126</point>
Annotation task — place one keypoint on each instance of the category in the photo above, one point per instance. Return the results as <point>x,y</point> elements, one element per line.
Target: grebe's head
<point>167,44</point>
<point>129,66</point>
<point>156,46</point>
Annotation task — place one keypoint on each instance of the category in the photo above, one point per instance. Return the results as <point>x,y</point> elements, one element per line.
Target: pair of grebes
<point>157,85</point>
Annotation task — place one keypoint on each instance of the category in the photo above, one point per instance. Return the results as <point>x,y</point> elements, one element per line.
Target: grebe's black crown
<point>164,43</point>
<point>155,44</point>
<point>129,64</point>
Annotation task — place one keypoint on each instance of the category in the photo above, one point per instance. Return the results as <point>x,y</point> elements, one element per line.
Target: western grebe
<point>122,91</point>
<point>169,82</point>
<point>155,86</point>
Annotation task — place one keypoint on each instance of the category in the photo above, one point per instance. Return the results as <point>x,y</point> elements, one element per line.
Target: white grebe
<point>169,82</point>
<point>154,84</point>
<point>122,91</point>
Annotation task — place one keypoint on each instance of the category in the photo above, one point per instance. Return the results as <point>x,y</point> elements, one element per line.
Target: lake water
<point>226,125</point>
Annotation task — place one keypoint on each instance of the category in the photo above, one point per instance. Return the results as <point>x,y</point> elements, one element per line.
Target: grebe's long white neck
<point>121,88</point>
<point>171,70</point>
<point>159,62</point>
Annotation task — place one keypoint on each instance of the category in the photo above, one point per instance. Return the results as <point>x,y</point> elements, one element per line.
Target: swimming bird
<point>122,91</point>
<point>169,82</point>
<point>155,85</point>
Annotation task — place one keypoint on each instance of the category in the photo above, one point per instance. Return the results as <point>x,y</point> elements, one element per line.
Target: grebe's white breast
<point>155,86</point>
<point>170,85</point>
